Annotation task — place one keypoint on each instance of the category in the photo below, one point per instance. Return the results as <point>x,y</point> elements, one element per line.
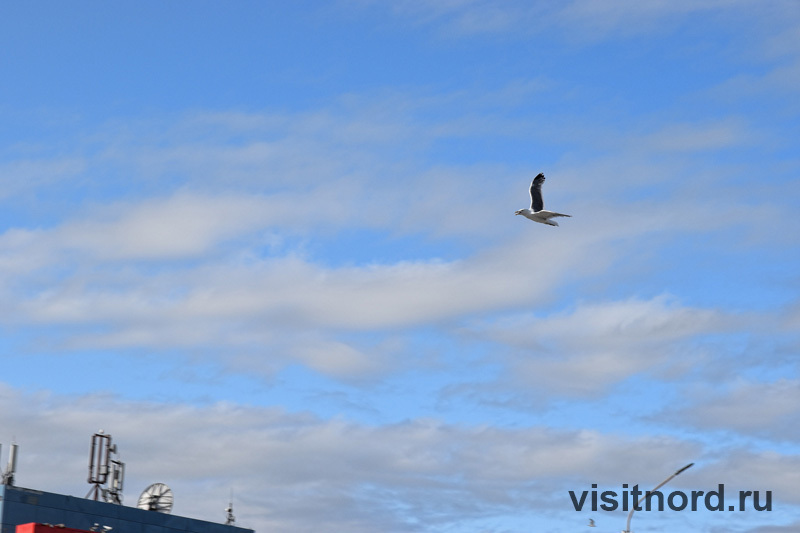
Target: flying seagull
<point>591,522</point>
<point>537,212</point>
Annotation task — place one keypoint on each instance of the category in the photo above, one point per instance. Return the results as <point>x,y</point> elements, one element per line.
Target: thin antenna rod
<point>229,518</point>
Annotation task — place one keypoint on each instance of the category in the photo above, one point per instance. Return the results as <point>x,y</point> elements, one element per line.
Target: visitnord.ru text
<point>713,500</point>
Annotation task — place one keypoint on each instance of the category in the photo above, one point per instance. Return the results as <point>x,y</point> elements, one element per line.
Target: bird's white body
<point>537,212</point>
<point>541,216</point>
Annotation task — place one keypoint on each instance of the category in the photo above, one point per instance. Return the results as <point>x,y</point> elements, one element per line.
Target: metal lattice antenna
<point>103,469</point>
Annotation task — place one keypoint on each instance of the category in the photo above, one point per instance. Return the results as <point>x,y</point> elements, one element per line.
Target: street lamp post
<point>630,515</point>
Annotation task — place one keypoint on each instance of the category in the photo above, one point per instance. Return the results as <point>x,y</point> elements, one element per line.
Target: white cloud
<point>339,359</point>
<point>770,408</point>
<point>580,21</point>
<point>21,176</point>
<point>596,20</point>
<point>198,267</point>
<point>239,255</point>
<point>789,528</point>
<point>700,137</point>
<point>181,226</point>
<point>595,346</point>
<point>293,471</point>
<point>742,469</point>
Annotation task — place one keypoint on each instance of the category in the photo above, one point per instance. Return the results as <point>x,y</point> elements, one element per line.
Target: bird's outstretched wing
<point>537,203</point>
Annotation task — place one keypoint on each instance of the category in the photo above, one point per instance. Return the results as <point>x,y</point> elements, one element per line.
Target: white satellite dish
<point>156,497</point>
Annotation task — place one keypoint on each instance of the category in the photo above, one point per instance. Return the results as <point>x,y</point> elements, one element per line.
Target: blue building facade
<point>22,506</point>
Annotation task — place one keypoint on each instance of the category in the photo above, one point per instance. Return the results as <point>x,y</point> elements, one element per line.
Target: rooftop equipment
<point>102,467</point>
<point>7,477</point>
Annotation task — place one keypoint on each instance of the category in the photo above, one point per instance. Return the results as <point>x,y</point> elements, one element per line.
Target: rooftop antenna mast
<point>114,493</point>
<point>7,477</point>
<point>102,469</point>
<point>229,518</point>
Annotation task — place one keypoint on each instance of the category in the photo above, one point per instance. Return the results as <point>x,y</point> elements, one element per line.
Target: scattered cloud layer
<point>326,304</point>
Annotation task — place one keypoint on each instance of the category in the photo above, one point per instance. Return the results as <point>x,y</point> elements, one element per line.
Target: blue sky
<point>271,248</point>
